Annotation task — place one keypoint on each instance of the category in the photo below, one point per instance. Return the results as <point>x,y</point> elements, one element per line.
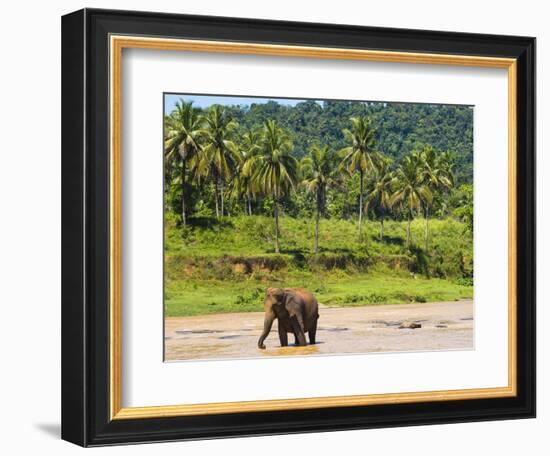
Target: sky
<point>204,101</point>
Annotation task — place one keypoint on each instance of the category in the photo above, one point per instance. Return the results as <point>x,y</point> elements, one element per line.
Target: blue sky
<point>204,101</point>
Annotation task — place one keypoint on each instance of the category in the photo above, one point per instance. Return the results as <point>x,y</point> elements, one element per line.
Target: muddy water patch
<point>292,351</point>
<point>394,323</point>
<point>194,352</point>
<point>382,323</point>
<point>196,331</point>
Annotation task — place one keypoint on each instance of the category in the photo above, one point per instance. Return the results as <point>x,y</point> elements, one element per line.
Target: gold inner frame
<point>117,44</point>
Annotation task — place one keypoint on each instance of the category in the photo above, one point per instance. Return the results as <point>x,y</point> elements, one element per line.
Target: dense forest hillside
<point>400,127</point>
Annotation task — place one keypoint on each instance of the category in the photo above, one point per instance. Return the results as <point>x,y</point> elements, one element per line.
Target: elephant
<point>297,312</point>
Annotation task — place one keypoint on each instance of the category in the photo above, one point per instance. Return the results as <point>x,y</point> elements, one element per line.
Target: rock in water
<point>409,325</point>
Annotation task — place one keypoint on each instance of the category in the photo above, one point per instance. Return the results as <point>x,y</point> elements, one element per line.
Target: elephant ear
<point>277,293</point>
<point>289,302</point>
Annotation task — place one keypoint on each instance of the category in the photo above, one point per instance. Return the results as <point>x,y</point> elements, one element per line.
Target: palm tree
<point>275,169</point>
<point>250,149</point>
<point>181,145</point>
<point>438,174</point>
<point>360,155</point>
<point>238,189</point>
<point>221,154</point>
<point>379,191</point>
<point>410,188</point>
<point>320,174</point>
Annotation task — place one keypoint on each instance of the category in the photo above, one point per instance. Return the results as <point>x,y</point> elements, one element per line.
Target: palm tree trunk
<point>249,204</point>
<point>221,196</point>
<point>247,210</point>
<point>216,198</point>
<point>317,216</point>
<point>183,216</point>
<point>276,224</point>
<point>360,203</point>
<point>409,231</point>
<point>426,230</point>
<point>381,229</point>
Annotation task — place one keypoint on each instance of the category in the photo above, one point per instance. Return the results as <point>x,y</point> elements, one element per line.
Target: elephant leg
<point>283,337</point>
<point>298,329</point>
<point>312,332</point>
<point>268,322</point>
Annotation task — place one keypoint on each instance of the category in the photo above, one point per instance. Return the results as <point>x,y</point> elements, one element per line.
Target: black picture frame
<point>85,227</point>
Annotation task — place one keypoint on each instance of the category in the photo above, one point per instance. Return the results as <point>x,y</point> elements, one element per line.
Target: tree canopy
<point>400,127</point>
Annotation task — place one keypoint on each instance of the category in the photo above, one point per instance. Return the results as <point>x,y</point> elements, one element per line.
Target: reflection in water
<point>291,351</point>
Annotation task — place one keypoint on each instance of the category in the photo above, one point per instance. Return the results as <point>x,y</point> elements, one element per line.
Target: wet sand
<point>444,326</point>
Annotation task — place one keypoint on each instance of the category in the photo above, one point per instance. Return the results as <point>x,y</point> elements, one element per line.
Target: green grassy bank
<point>215,266</point>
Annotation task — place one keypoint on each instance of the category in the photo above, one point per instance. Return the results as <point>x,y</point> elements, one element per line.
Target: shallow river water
<point>444,326</point>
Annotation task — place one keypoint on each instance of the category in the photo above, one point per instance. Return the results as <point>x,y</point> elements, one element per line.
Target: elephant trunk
<point>268,323</point>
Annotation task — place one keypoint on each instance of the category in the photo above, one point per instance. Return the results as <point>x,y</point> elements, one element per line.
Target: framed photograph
<point>278,227</point>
